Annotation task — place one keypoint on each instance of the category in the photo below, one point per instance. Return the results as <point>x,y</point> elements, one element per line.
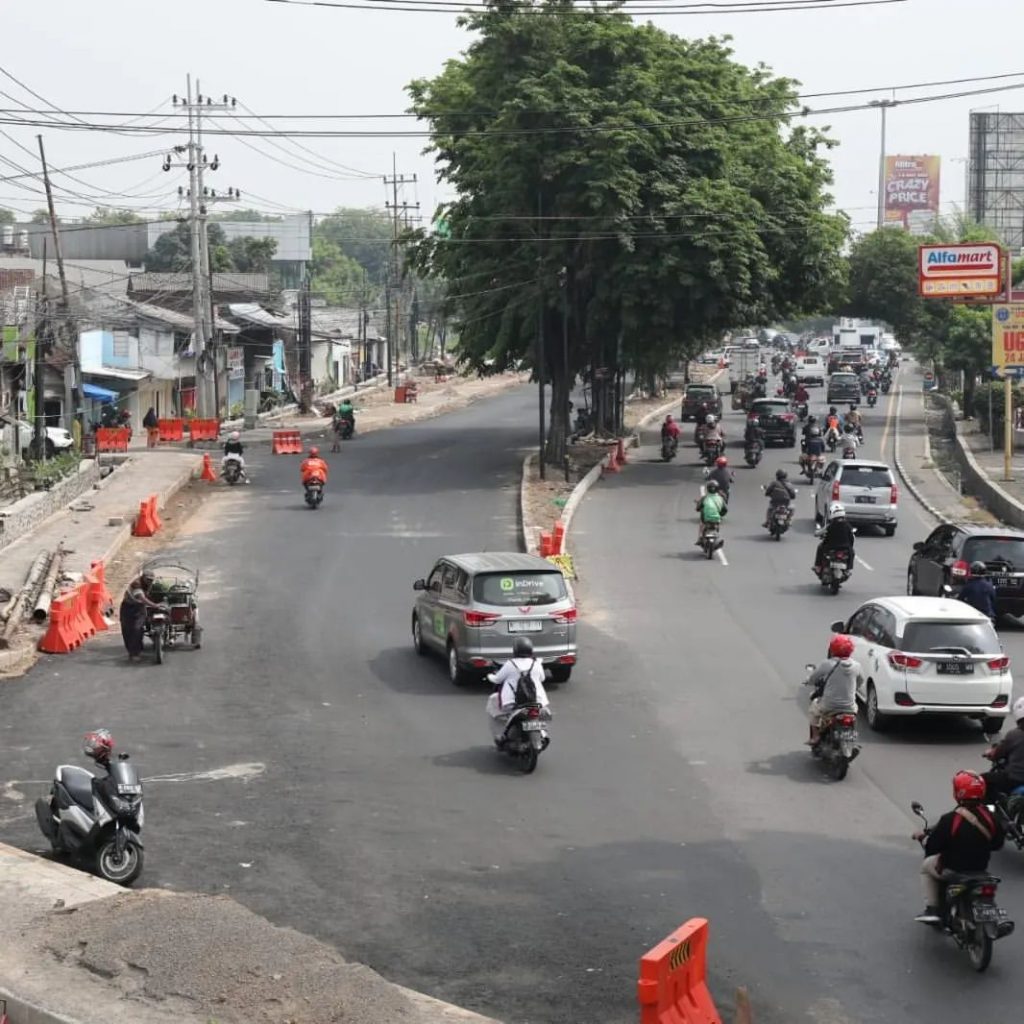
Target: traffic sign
<point>1016,372</point>
<point>1008,335</point>
<point>964,270</point>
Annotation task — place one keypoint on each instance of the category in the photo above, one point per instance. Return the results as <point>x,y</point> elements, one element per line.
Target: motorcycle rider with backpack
<point>779,492</point>
<point>519,681</point>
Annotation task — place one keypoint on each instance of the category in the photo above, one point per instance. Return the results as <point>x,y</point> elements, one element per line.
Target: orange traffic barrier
<point>545,544</point>
<point>170,430</point>
<point>81,622</point>
<point>672,988</point>
<point>101,603</point>
<point>286,442</point>
<point>558,538</point>
<point>148,520</point>
<point>208,473</point>
<point>112,439</point>
<point>620,453</point>
<point>611,466</point>
<point>60,637</point>
<point>203,430</point>
<point>400,394</point>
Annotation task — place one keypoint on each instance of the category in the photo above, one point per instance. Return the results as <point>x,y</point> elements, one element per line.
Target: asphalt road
<point>810,886</point>
<point>318,771</point>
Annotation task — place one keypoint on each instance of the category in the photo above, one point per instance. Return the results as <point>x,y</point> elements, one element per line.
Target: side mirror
<point>809,667</point>
<point>947,590</point>
<point>919,545</point>
<point>420,585</point>
<point>917,808</point>
<point>838,626</point>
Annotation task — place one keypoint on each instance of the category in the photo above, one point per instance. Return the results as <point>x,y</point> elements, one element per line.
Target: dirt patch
<point>544,500</point>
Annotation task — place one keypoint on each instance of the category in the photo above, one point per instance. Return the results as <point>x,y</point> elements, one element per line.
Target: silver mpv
<point>472,607</point>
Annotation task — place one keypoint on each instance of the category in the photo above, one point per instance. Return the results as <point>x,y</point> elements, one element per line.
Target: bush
<point>47,473</point>
<point>981,398</point>
<point>236,411</point>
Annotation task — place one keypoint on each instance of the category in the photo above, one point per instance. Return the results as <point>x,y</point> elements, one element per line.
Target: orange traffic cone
<point>208,473</point>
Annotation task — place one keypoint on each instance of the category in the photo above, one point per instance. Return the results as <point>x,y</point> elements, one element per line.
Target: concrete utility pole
<point>67,335</point>
<point>883,106</point>
<point>397,210</point>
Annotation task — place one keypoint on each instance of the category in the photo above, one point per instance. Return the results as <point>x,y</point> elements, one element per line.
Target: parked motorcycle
<point>669,447</point>
<point>779,519</point>
<point>97,819</point>
<point>968,911</point>
<point>837,743</point>
<point>525,736</point>
<point>838,568</point>
<point>753,452</point>
<point>314,493</point>
<point>231,469</point>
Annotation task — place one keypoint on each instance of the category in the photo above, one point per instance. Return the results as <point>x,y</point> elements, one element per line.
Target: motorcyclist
<point>811,424</point>
<point>852,422</point>
<point>779,492</point>
<point>753,435</point>
<point>979,591</point>
<point>670,432</point>
<point>1002,781</point>
<point>801,396</point>
<point>848,442</point>
<point>722,476</point>
<point>711,433</point>
<point>712,508</point>
<point>835,685</point>
<point>960,842</point>
<point>837,536</point>
<point>234,449</point>
<point>313,468</point>
<point>502,702</point>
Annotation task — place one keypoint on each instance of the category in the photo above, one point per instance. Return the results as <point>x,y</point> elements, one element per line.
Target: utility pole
<point>38,369</point>
<point>883,106</point>
<point>68,336</point>
<point>394,268</point>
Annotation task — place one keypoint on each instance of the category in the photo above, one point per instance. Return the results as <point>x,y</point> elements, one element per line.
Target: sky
<point>274,58</point>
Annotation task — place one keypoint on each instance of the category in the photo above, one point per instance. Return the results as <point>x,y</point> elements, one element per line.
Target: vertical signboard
<point>1008,337</point>
<point>912,192</point>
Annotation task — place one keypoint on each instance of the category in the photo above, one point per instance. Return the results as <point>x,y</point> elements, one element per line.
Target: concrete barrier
<point>31,511</point>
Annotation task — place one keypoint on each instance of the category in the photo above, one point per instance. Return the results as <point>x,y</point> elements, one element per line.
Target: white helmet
<point>709,420</point>
<point>235,435</point>
<point>1018,709</point>
<point>836,511</point>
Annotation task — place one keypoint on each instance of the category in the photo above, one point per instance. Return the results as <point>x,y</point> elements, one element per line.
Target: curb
<point>25,1012</point>
<point>904,475</point>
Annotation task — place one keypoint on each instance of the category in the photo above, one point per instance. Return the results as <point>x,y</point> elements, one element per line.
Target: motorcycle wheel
<point>528,761</point>
<point>708,550</point>
<point>158,646</point>
<point>838,768</point>
<point>979,949</point>
<point>197,637</point>
<point>776,533</point>
<point>121,871</point>
<point>833,587</point>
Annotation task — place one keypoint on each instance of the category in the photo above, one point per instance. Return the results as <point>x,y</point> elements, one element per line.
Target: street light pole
<point>883,106</point>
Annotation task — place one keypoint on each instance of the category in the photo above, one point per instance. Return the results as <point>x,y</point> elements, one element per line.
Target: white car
<point>57,438</point>
<point>867,491</point>
<point>928,655</point>
<point>810,370</point>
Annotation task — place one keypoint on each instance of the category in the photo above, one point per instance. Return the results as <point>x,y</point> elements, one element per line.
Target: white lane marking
<point>241,772</point>
<point>721,557</point>
<point>862,562</point>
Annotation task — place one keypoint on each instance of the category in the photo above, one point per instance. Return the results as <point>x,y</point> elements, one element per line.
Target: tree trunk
<point>558,420</point>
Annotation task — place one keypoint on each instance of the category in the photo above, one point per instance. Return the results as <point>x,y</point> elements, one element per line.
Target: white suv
<point>928,655</point>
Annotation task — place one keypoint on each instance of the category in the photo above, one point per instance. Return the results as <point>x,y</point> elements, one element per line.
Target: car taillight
<point>835,491</point>
<point>569,615</point>
<point>478,619</point>
<point>894,494</point>
<point>987,891</point>
<point>899,660</point>
<point>902,700</point>
<point>788,417</point>
<point>567,659</point>
<point>1001,701</point>
<point>999,664</point>
<point>959,569</point>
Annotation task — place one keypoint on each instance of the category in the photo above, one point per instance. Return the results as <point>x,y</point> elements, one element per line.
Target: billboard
<point>912,192</point>
<point>1008,336</point>
<point>962,270</point>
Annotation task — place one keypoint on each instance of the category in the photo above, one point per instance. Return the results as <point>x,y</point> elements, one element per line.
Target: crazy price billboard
<point>912,192</point>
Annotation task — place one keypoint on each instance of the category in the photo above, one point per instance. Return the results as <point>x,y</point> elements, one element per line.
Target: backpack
<point>526,688</point>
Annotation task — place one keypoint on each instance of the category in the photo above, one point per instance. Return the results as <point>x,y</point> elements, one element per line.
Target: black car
<point>700,400</point>
<point>777,419</point>
<point>946,556</point>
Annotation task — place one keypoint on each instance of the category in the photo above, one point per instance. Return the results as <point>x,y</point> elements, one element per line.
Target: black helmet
<point>978,568</point>
<point>712,487</point>
<point>831,410</point>
<point>811,419</point>
<point>781,474</point>
<point>522,647</point>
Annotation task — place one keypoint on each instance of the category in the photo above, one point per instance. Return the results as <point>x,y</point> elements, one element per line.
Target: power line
<point>707,9</point>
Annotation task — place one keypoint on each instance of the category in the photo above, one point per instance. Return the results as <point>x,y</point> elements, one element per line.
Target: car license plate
<point>865,499</point>
<point>532,726</point>
<point>986,912</point>
<point>127,790</point>
<point>1007,581</point>
<point>955,668</point>
<point>525,625</point>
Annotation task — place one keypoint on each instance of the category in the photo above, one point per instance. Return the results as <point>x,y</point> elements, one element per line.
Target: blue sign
<point>1016,372</point>
<point>1002,314</point>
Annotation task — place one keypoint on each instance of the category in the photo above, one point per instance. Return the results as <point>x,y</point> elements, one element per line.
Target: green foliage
<point>172,252</point>
<point>248,216</point>
<point>250,255</point>
<point>979,405</point>
<point>47,472</point>
<point>41,216</point>
<point>108,215</point>
<point>6,217</point>
<point>363,235</point>
<point>334,276</point>
<point>668,234</point>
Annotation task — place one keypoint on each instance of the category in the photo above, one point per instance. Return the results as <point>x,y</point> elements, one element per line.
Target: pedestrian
<point>132,614</point>
<point>151,423</point>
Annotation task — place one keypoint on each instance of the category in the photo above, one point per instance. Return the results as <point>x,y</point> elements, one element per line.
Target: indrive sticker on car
<point>439,623</point>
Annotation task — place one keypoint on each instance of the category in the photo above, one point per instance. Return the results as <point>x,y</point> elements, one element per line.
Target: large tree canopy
<point>172,252</point>
<point>650,183</point>
<point>365,236</point>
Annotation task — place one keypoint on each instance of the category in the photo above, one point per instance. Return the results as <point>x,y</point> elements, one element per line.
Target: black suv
<point>945,558</point>
<point>777,419</point>
<point>698,397</point>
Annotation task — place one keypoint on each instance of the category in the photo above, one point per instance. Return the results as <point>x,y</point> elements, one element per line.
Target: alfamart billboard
<point>912,192</point>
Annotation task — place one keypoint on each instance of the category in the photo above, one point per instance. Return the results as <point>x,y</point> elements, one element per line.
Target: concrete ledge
<point>978,483</point>
<point>904,475</point>
<point>34,509</point>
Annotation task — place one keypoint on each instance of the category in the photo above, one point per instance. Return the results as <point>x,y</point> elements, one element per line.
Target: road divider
<point>672,987</point>
<point>148,521</point>
<point>286,442</point>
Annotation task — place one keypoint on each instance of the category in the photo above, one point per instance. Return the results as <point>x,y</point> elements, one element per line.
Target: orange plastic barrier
<point>286,442</point>
<point>400,395</point>
<point>546,544</point>
<point>203,430</point>
<point>672,988</point>
<point>208,473</point>
<point>170,430</point>
<point>611,466</point>
<point>80,621</point>
<point>100,601</point>
<point>558,538</point>
<point>148,520</point>
<point>112,439</point>
<point>60,637</point>
<point>620,453</point>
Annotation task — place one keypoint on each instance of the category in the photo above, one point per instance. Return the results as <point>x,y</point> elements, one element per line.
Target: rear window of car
<point>703,390</point>
<point>845,378</point>
<point>866,476</point>
<point>809,361</point>
<point>519,588</point>
<point>995,549</point>
<point>770,408</point>
<point>976,637</point>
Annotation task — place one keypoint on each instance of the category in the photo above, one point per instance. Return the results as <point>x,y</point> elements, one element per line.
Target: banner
<point>912,192</point>
<point>1008,336</point>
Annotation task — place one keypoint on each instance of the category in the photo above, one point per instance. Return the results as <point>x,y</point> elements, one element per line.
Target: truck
<point>853,343</point>
<point>743,362</point>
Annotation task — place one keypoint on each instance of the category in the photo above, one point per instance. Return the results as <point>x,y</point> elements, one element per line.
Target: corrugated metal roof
<point>108,277</point>
<point>243,284</point>
<point>253,313</point>
<point>171,317</point>
<point>339,322</point>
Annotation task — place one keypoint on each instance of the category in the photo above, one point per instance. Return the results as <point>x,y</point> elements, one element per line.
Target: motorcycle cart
<point>175,586</point>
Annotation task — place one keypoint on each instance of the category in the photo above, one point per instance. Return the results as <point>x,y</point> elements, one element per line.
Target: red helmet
<point>314,452</point>
<point>968,787</point>
<point>840,646</point>
<point>98,745</point>
<point>721,461</point>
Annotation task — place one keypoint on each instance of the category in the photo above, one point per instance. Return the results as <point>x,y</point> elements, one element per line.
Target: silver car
<point>866,490</point>
<point>472,607</point>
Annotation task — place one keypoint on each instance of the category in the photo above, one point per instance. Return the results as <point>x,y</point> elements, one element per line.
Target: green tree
<point>41,216</point>
<point>109,215</point>
<point>6,217</point>
<point>248,216</point>
<point>673,215</point>
<point>364,235</point>
<point>334,276</point>
<point>250,255</point>
<point>172,252</point>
